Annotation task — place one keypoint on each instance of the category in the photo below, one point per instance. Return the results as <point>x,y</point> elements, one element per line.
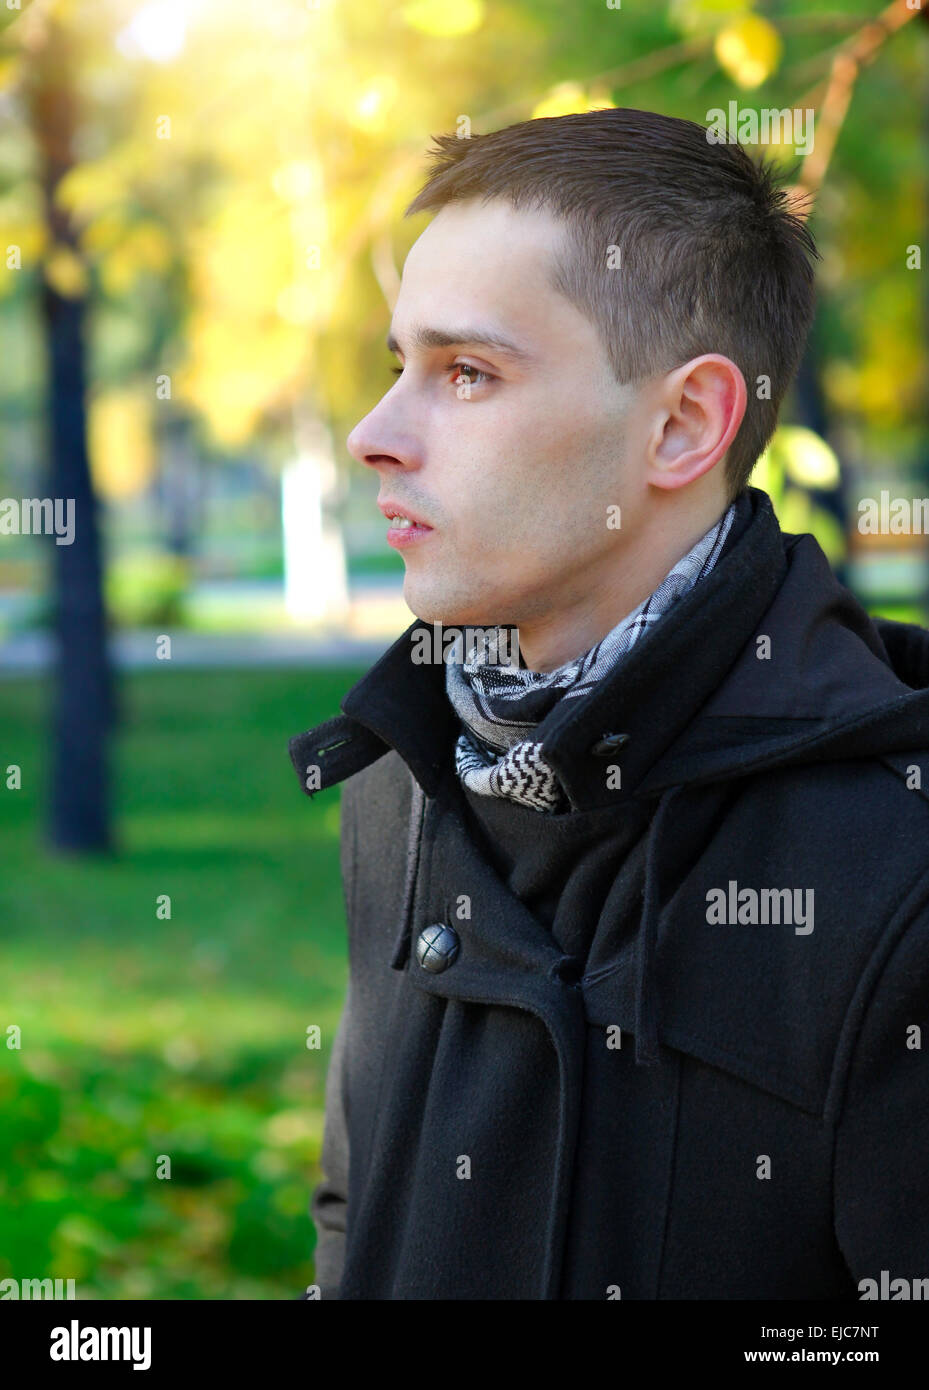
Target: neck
<point>610,590</point>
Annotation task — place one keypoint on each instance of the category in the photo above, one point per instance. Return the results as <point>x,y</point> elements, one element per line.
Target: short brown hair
<point>712,258</point>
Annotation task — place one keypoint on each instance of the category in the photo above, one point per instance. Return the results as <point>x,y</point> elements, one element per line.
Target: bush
<point>147,590</point>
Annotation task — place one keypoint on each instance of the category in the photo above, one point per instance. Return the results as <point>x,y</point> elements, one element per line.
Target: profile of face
<point>507,433</point>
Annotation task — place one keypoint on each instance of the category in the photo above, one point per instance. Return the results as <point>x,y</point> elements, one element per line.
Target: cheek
<point>541,481</point>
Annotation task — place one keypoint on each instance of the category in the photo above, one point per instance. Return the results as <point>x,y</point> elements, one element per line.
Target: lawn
<point>146,1038</point>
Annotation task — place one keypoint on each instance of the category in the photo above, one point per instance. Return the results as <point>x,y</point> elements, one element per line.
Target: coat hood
<point>820,680</point>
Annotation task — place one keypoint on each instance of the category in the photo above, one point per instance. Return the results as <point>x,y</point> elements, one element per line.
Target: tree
<point>79,809</point>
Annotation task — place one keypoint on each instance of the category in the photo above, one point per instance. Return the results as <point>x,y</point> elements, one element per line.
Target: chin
<point>453,610</point>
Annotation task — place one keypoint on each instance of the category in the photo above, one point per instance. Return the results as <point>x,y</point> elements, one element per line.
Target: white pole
<point>315,572</point>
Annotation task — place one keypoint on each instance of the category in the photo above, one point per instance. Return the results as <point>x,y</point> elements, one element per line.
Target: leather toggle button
<point>610,744</point>
<point>569,970</point>
<point>436,947</point>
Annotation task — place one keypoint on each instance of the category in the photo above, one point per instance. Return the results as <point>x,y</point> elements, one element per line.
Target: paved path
<point>33,652</point>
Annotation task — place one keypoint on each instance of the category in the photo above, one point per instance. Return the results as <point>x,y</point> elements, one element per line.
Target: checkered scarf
<point>499,705</point>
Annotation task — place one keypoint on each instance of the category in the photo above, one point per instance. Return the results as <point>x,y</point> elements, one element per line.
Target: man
<point>637,922</point>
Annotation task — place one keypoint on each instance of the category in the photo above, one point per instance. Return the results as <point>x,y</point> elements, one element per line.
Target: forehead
<point>485,257</point>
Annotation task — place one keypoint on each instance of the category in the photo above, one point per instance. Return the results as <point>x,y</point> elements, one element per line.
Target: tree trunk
<point>84,696</point>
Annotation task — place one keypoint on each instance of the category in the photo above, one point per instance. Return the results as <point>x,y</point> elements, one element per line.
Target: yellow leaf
<point>142,247</point>
<point>748,50</point>
<point>298,303</point>
<point>89,188</point>
<point>10,64</point>
<point>231,378</point>
<point>566,99</point>
<point>370,109</point>
<point>119,433</point>
<point>117,271</point>
<point>298,180</point>
<point>442,19</point>
<point>151,246</point>
<point>702,16</point>
<point>66,272</point>
<point>102,232</point>
<point>806,457</point>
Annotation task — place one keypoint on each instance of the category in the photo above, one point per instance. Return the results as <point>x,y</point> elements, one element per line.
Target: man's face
<point>514,472</point>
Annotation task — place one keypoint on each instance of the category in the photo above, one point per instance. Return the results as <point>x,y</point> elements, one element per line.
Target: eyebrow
<point>425,337</point>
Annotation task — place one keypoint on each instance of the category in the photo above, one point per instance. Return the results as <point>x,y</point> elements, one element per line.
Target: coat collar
<point>650,697</point>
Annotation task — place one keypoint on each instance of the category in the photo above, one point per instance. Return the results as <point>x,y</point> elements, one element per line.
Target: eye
<point>462,367</point>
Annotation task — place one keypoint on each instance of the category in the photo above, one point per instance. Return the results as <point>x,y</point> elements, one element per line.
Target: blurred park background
<point>201,237</point>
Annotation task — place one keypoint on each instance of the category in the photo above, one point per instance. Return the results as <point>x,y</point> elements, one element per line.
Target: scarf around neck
<point>500,705</point>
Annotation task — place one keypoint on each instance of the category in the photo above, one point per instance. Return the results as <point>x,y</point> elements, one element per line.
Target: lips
<point>394,509</point>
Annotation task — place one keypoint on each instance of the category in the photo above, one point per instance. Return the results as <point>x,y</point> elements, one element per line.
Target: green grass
<point>144,1039</point>
<point>385,561</point>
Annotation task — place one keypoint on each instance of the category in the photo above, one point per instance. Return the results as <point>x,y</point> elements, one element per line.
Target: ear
<point>700,407</point>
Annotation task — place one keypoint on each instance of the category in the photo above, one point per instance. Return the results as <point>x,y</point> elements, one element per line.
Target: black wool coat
<point>678,1046</point>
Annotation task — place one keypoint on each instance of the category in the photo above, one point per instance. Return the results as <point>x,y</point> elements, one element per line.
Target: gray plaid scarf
<point>499,705</point>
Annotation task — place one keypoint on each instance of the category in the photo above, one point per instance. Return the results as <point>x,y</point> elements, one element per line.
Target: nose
<point>380,440</point>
